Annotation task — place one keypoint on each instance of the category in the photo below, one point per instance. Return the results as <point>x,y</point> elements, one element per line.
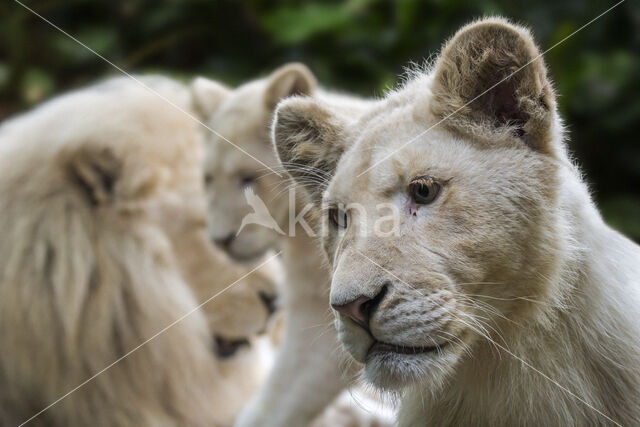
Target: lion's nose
<point>269,301</point>
<point>361,309</point>
<point>224,242</point>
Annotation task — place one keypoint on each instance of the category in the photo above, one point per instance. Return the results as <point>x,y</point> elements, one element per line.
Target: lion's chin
<point>394,369</point>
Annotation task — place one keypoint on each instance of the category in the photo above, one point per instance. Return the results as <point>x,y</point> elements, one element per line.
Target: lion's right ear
<point>96,173</point>
<point>308,141</point>
<point>289,80</point>
<point>208,95</point>
<point>491,79</point>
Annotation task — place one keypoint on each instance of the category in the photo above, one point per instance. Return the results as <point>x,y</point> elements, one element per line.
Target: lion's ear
<point>288,80</point>
<point>491,77</point>
<point>95,172</point>
<point>308,141</point>
<point>208,95</point>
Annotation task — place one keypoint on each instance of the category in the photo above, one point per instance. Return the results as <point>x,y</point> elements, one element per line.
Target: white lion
<point>502,298</point>
<point>307,374</point>
<point>103,246</point>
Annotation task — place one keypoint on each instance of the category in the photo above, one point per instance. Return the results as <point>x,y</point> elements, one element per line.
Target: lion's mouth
<point>226,348</point>
<point>382,347</point>
<point>245,258</point>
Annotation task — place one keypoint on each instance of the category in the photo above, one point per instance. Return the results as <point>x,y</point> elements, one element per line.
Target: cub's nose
<point>361,309</point>
<point>269,301</point>
<point>225,241</point>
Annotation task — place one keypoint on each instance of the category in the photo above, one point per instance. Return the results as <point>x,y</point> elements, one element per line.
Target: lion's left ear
<point>491,78</point>
<point>95,173</point>
<point>308,140</point>
<point>289,80</point>
<point>102,177</point>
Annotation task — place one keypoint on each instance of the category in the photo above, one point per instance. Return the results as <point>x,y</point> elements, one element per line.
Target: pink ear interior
<point>502,102</point>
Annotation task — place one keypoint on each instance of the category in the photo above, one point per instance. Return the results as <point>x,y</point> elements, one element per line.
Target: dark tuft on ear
<point>495,67</point>
<point>307,139</point>
<point>95,173</point>
<point>288,80</point>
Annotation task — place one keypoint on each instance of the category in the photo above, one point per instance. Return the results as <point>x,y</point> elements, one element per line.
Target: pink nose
<point>357,310</point>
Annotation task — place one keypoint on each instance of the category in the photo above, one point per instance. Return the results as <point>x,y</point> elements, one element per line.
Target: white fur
<point>307,374</point>
<point>531,301</point>
<point>99,194</point>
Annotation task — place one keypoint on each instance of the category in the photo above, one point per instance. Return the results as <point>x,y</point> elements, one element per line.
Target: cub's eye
<point>208,179</point>
<point>424,190</point>
<point>338,218</point>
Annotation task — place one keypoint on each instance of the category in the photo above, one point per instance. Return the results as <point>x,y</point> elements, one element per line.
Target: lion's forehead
<point>386,155</point>
<point>239,150</point>
<point>239,122</point>
<point>225,159</point>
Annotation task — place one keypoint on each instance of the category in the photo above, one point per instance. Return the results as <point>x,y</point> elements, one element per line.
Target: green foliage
<point>290,25</point>
<point>358,46</point>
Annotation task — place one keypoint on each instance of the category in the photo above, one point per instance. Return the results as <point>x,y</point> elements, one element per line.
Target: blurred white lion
<point>104,245</point>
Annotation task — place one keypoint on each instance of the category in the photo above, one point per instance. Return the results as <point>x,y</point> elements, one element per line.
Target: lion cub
<point>495,294</point>
<point>103,247</point>
<point>307,374</point>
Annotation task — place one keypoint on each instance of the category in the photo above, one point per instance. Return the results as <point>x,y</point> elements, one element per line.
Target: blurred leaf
<point>36,85</point>
<point>161,16</point>
<point>623,213</point>
<point>103,40</point>
<point>600,78</point>
<point>4,74</point>
<point>290,25</point>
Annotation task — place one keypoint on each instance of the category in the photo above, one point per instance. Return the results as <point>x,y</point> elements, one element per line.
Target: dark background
<point>358,46</point>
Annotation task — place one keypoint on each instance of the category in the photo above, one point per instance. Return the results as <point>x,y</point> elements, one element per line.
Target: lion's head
<point>237,301</point>
<point>441,222</point>
<point>241,118</point>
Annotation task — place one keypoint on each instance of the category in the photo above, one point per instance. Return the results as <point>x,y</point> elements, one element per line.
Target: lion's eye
<point>208,179</point>
<point>338,218</point>
<point>424,190</point>
<point>247,180</point>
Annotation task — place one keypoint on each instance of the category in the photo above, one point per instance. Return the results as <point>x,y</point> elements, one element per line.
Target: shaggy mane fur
<point>89,273</point>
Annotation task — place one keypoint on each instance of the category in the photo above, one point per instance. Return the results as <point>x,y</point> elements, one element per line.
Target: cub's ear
<point>96,173</point>
<point>208,95</point>
<point>288,80</point>
<point>496,68</point>
<point>308,141</point>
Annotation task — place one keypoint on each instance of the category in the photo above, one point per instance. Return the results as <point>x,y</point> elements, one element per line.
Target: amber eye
<point>424,190</point>
<point>338,218</point>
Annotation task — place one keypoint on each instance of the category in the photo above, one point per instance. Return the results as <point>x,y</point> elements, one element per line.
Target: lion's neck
<point>582,364</point>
